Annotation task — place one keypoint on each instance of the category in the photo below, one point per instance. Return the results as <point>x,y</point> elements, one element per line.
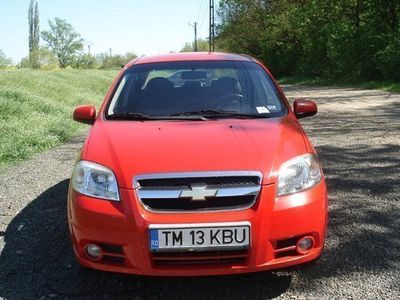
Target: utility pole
<point>211,28</point>
<point>195,36</point>
<point>89,47</point>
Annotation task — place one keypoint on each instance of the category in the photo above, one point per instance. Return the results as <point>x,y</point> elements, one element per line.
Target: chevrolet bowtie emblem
<point>198,192</point>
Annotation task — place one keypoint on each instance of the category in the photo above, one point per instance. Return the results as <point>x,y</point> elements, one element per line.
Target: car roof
<point>189,56</point>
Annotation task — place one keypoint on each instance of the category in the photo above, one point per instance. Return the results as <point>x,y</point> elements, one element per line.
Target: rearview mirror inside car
<point>194,75</point>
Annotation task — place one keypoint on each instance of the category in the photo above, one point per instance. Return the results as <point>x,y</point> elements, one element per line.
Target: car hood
<point>132,148</point>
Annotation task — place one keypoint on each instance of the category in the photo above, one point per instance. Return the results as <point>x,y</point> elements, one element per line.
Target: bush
<point>86,61</point>
<point>41,58</point>
<point>44,59</point>
<point>389,59</point>
<point>115,61</point>
<point>4,60</point>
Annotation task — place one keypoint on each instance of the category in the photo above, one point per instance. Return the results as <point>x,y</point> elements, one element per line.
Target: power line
<point>204,13</point>
<point>199,11</point>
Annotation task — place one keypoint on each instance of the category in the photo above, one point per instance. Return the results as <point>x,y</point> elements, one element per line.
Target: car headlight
<point>95,180</point>
<point>298,174</point>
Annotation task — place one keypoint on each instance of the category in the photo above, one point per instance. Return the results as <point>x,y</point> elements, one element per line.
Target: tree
<point>34,31</point>
<point>44,58</point>
<point>63,41</point>
<point>202,45</point>
<point>106,61</point>
<point>4,60</point>
<point>338,39</point>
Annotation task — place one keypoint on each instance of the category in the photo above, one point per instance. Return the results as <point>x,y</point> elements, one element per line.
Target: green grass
<point>376,85</point>
<point>36,108</point>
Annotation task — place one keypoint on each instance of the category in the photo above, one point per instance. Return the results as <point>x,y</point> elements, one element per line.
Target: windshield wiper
<point>129,116</point>
<point>143,117</point>
<point>214,113</point>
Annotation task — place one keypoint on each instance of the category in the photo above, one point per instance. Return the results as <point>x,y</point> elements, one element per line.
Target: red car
<point>211,176</point>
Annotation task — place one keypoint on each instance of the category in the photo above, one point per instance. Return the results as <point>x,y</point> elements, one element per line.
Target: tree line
<point>63,47</point>
<point>335,39</point>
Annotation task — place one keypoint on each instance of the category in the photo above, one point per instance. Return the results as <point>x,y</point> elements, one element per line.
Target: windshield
<point>196,88</point>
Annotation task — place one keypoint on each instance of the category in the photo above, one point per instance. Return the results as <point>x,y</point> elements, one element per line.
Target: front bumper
<point>275,223</point>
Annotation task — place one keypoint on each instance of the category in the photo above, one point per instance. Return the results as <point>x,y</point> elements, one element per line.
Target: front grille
<point>187,204</point>
<point>209,181</point>
<point>198,191</point>
<point>223,257</point>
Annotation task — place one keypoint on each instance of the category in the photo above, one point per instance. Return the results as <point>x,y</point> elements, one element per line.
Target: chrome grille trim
<point>238,189</point>
<point>175,193</point>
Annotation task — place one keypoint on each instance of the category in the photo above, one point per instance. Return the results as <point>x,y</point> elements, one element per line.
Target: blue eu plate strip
<point>154,239</point>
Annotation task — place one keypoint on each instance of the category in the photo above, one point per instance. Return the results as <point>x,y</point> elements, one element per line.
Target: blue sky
<point>140,26</point>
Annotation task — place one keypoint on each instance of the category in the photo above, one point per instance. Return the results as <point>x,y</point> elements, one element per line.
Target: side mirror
<point>304,108</point>
<point>85,114</point>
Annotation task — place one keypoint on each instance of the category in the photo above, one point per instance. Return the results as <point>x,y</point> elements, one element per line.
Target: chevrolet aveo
<point>196,165</point>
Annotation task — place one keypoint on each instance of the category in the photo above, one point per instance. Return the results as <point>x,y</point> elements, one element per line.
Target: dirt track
<point>357,135</point>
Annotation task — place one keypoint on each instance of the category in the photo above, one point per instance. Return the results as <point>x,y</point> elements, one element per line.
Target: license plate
<point>199,236</point>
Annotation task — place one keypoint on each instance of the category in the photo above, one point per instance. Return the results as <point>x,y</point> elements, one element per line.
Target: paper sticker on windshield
<point>272,107</point>
<point>262,110</point>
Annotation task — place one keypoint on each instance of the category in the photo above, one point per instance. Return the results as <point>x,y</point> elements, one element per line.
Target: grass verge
<point>36,108</point>
<point>371,85</point>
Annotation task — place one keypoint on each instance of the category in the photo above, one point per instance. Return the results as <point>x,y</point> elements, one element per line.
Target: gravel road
<point>356,133</point>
